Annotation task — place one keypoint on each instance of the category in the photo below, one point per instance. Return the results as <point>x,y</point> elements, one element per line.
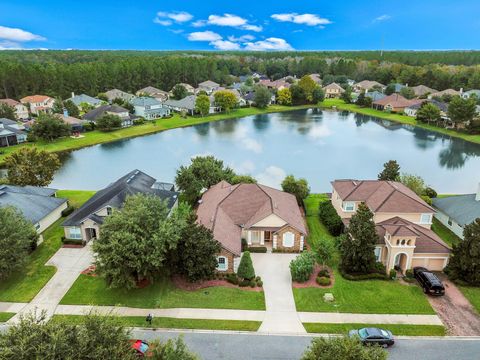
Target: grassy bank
<point>473,295</point>
<point>88,290</point>
<point>5,316</point>
<point>445,233</point>
<point>341,105</point>
<point>176,121</point>
<point>174,323</point>
<point>396,329</point>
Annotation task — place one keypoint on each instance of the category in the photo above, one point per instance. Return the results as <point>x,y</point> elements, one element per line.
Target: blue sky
<point>235,24</point>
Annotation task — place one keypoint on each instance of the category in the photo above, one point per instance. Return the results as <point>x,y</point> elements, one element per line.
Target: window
<point>349,206</point>
<point>74,233</point>
<point>222,263</point>
<point>109,210</point>
<point>450,223</point>
<point>288,239</point>
<point>426,219</point>
<point>37,226</point>
<point>403,242</point>
<point>378,254</point>
<point>255,237</point>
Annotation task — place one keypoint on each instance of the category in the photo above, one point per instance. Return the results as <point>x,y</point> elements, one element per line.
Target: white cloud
<point>383,17</point>
<point>167,18</point>
<point>19,35</point>
<point>176,31</point>
<point>230,20</point>
<point>204,36</point>
<point>225,45</point>
<point>199,23</point>
<point>243,38</point>
<point>271,176</point>
<point>268,44</point>
<point>304,19</point>
<point>246,167</point>
<point>253,145</point>
<point>256,28</point>
<point>9,45</point>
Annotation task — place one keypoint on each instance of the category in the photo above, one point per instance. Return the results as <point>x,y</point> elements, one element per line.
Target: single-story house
<point>118,94</point>
<point>38,103</point>
<point>394,102</point>
<point>439,94</point>
<point>375,95</point>
<point>21,110</point>
<point>149,108</point>
<point>422,90</point>
<point>190,89</point>
<point>151,91</point>
<point>366,85</point>
<point>240,101</point>
<point>187,104</point>
<point>403,222</point>
<point>84,224</point>
<point>275,85</point>
<point>75,123</point>
<point>121,112</point>
<point>457,211</point>
<point>413,109</point>
<point>11,133</point>
<point>249,99</point>
<point>208,86</point>
<point>83,98</point>
<point>39,205</point>
<point>333,90</point>
<point>261,215</point>
<point>469,93</point>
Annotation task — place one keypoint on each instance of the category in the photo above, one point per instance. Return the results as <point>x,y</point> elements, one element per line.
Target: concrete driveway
<point>281,314</point>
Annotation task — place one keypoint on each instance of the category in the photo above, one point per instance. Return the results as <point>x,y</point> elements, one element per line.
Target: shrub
<point>426,199</point>
<point>253,283</point>
<point>232,279</point>
<point>323,280</point>
<point>139,121</point>
<point>244,245</point>
<point>302,267</point>
<point>244,283</point>
<point>259,283</point>
<point>359,277</point>
<point>393,274</point>
<point>324,273</point>
<point>67,211</point>
<point>409,273</point>
<point>245,269</point>
<point>257,249</point>
<point>431,193</point>
<point>329,217</point>
<point>380,268</point>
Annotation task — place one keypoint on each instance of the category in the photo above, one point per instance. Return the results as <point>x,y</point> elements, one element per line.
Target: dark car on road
<point>373,336</point>
<point>429,282</point>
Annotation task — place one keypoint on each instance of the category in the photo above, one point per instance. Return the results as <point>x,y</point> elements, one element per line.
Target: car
<point>140,347</point>
<point>429,282</point>
<point>373,336</point>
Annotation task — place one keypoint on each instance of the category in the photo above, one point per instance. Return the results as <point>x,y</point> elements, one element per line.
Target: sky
<point>240,25</point>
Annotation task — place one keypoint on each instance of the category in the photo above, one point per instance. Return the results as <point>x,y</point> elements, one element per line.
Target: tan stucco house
<point>402,219</point>
<point>261,215</point>
<point>333,90</point>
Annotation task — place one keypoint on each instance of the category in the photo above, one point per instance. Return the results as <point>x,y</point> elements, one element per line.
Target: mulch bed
<point>312,281</point>
<point>90,271</point>
<point>182,283</point>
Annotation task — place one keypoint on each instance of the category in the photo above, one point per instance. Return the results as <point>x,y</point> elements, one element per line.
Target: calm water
<point>318,145</point>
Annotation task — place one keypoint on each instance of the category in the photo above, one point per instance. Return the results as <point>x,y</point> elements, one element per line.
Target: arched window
<point>288,239</point>
<point>403,242</point>
<point>409,242</point>
<point>398,242</point>
<point>222,263</point>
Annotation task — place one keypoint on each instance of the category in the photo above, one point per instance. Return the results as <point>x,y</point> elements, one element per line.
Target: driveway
<point>456,312</point>
<point>70,262</point>
<point>281,314</point>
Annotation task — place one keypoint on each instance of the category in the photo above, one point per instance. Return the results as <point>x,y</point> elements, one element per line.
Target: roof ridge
<point>412,198</point>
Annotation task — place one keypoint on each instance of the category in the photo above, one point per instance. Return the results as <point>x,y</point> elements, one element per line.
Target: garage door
<point>435,264</point>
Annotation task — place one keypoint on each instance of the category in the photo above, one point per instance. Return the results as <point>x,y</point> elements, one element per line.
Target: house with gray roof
<point>11,133</point>
<point>114,109</point>
<point>457,211</point>
<point>187,104</point>
<point>39,205</point>
<point>470,93</point>
<point>84,224</point>
<point>413,109</point>
<point>151,91</point>
<point>118,94</point>
<point>375,95</point>
<point>208,86</point>
<point>149,108</point>
<point>83,98</point>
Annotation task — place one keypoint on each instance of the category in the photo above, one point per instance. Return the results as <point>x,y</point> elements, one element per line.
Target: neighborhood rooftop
<point>464,209</point>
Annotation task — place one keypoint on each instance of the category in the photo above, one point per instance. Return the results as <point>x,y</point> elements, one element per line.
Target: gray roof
<point>398,87</point>
<point>35,203</point>
<point>472,92</point>
<point>10,127</point>
<point>115,194</point>
<point>439,104</point>
<point>97,113</point>
<point>187,102</point>
<point>116,93</point>
<point>209,83</point>
<point>463,209</point>
<point>375,95</point>
<point>144,101</point>
<point>83,98</point>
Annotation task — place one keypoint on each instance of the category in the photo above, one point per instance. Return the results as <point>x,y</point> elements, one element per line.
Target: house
<point>394,103</point>
<point>402,219</point>
<point>84,224</point>
<point>457,211</point>
<point>187,104</point>
<point>38,103</point>
<point>76,124</point>
<point>422,90</point>
<point>397,87</point>
<point>448,92</point>
<point>333,90</point>
<point>249,98</point>
<point>11,133</point>
<point>39,205</point>
<point>78,100</point>
<point>118,94</point>
<point>158,94</point>
<point>261,215</point>
<point>275,85</point>
<point>413,109</point>
<point>366,85</point>
<point>208,86</point>
<point>375,95</point>
<point>240,101</point>
<point>470,93</point>
<point>316,78</point>
<point>21,111</point>
<point>190,89</point>
<point>149,108</point>
<point>122,113</point>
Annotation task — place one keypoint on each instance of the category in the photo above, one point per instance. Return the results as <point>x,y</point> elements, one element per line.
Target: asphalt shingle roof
<point>464,209</point>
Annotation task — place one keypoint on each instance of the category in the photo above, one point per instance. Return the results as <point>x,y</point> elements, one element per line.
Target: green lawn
<point>25,284</point>
<point>396,329</point>
<point>316,229</point>
<point>76,198</point>
<point>445,233</point>
<point>90,290</point>
<point>341,105</point>
<point>473,295</point>
<point>173,323</point>
<point>5,316</point>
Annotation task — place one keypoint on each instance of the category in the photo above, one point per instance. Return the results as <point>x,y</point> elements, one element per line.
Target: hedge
<point>329,217</point>
<point>256,249</point>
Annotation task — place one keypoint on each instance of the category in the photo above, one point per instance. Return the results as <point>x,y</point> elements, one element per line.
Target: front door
<point>268,236</point>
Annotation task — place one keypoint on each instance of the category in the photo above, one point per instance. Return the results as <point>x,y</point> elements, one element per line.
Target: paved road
<point>281,347</point>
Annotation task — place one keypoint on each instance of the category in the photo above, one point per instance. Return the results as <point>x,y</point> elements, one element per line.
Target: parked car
<point>430,283</point>
<point>140,347</point>
<point>373,336</point>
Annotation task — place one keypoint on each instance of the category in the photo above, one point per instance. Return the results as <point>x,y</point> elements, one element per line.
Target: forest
<point>58,73</point>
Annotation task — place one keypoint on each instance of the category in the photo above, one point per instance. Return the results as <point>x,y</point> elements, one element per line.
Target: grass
<point>176,121</point>
<point>341,105</point>
<point>89,290</point>
<point>317,230</point>
<point>473,295</point>
<point>396,329</point>
<point>5,316</point>
<point>22,286</point>
<point>76,198</point>
<point>174,323</point>
<point>445,233</point>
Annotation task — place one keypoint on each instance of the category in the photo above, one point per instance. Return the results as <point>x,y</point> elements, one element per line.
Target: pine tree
<point>245,269</point>
<point>390,172</point>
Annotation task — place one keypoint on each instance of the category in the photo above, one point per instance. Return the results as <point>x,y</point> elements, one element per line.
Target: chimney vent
<point>477,196</point>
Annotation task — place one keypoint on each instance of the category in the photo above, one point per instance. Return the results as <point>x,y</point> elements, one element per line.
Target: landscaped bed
<point>5,316</point>
<point>89,290</point>
<point>396,329</point>
<point>174,323</point>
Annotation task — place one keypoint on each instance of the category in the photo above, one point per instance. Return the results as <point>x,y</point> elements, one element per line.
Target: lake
<point>318,145</point>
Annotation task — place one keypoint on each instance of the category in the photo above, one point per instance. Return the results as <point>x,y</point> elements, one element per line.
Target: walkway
<point>281,314</point>
<point>70,262</point>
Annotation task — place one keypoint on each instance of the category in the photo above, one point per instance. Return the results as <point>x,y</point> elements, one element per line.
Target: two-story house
<point>149,108</point>
<point>21,111</point>
<point>333,90</point>
<point>208,86</point>
<point>38,103</point>
<point>117,110</point>
<point>403,221</point>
